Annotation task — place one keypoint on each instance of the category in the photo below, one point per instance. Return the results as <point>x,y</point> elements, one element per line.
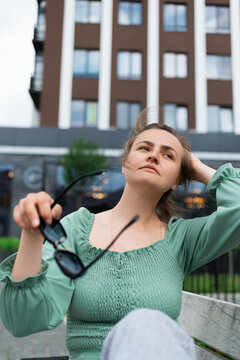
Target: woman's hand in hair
<point>201,172</point>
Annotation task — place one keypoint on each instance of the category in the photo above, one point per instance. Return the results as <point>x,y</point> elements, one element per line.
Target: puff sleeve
<point>35,303</point>
<point>201,240</point>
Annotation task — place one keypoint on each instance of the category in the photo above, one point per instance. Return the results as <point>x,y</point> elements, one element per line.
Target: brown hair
<point>166,207</point>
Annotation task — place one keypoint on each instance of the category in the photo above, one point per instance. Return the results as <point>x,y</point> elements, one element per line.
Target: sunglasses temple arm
<point>132,221</point>
<point>93,173</point>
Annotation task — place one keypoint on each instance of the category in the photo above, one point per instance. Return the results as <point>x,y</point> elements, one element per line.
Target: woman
<point>145,268</point>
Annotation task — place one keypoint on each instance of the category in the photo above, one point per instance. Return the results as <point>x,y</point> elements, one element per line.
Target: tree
<point>82,156</point>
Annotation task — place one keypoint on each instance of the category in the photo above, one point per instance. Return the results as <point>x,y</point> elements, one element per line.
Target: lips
<point>150,167</point>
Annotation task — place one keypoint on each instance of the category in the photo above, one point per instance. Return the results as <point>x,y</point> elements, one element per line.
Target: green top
<point>150,277</point>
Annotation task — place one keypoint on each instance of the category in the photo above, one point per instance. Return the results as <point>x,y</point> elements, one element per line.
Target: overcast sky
<point>17,20</point>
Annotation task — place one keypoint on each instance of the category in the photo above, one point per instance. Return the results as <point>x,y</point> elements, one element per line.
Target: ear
<point>123,169</point>
<point>174,187</point>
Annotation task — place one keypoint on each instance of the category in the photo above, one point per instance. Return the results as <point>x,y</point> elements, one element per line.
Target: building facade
<point>98,63</point>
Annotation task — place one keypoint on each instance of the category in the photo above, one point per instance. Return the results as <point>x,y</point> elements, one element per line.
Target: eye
<point>169,156</point>
<point>144,147</point>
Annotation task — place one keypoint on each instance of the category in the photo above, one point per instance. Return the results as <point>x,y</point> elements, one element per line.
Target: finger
<point>56,211</point>
<point>29,214</point>
<point>21,219</point>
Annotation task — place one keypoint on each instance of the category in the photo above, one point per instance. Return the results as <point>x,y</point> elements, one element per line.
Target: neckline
<point>131,252</point>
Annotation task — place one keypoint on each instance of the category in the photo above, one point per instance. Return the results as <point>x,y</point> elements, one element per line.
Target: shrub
<point>9,243</point>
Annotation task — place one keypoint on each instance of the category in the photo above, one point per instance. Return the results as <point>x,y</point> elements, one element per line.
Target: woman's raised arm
<point>26,215</point>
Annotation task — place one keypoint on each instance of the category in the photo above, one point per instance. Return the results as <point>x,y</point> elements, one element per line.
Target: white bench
<point>213,322</point>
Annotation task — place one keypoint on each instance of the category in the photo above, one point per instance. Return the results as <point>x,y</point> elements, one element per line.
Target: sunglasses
<point>70,264</point>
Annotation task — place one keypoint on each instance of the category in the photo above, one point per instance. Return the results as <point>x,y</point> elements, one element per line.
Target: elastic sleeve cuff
<point>6,273</point>
<point>223,172</point>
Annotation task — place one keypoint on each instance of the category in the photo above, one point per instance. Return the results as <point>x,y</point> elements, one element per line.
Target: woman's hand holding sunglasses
<point>35,205</point>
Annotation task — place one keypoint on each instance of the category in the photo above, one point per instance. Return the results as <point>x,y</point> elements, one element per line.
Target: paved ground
<point>46,343</point>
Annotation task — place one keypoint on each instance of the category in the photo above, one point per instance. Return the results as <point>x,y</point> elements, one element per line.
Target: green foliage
<point>83,156</point>
<point>9,244</point>
<point>205,283</point>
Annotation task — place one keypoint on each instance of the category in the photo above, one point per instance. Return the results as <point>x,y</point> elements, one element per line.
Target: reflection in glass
<point>181,65</point>
<point>169,70</point>
<point>83,113</point>
<point>175,65</point>
<point>212,67</point>
<point>81,11</point>
<point>175,17</point>
<point>129,13</point>
<point>223,19</point>
<point>91,114</point>
<point>93,62</point>
<point>122,115</point>
<point>212,114</point>
<point>123,64</point>
<point>220,119</point>
<point>129,65</point>
<point>217,19</point>
<point>218,67</point>
<point>225,68</point>
<point>169,114</point>
<point>136,65</point>
<point>136,14</point>
<point>182,118</point>
<point>124,13</point>
<point>78,113</point>
<point>226,120</point>
<point>176,116</point>
<point>86,63</point>
<point>126,114</point>
<point>181,11</point>
<point>135,109</point>
<point>95,12</point>
<point>87,11</point>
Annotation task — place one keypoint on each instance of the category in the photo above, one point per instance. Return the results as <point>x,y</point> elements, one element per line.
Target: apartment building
<point>98,63</point>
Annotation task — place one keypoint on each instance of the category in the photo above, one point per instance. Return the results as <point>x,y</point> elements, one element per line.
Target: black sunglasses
<point>70,264</point>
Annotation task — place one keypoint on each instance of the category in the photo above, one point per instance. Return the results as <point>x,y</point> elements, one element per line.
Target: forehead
<point>160,137</point>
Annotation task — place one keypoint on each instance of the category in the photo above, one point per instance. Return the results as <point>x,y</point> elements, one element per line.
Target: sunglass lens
<point>54,232</point>
<point>68,262</point>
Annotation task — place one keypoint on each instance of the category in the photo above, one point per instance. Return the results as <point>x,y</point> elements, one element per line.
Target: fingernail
<point>35,222</point>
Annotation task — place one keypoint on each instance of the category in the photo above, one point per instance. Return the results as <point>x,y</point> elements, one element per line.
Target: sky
<point>17,20</point>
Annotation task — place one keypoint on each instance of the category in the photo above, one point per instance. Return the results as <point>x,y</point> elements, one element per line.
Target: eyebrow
<point>162,147</point>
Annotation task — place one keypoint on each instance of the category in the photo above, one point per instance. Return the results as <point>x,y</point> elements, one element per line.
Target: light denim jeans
<point>148,334</point>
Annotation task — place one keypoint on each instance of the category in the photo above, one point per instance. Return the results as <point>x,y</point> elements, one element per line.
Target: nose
<point>153,158</point>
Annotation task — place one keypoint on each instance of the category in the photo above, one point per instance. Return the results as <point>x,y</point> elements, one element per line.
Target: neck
<point>132,203</point>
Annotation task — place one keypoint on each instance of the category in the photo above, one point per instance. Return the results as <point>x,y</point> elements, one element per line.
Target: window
<point>176,116</point>
<point>217,19</point>
<point>88,12</point>
<point>38,75</point>
<point>175,17</point>
<point>129,65</point>
<point>219,67</point>
<point>84,113</point>
<point>175,65</point>
<point>129,13</point>
<point>86,63</point>
<point>220,119</point>
<point>41,22</point>
<point>127,113</point>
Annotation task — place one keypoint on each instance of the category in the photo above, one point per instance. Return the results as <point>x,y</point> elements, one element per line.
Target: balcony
<point>39,38</point>
<point>35,90</point>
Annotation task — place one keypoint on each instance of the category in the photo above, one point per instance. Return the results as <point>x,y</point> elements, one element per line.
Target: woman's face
<point>154,159</point>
